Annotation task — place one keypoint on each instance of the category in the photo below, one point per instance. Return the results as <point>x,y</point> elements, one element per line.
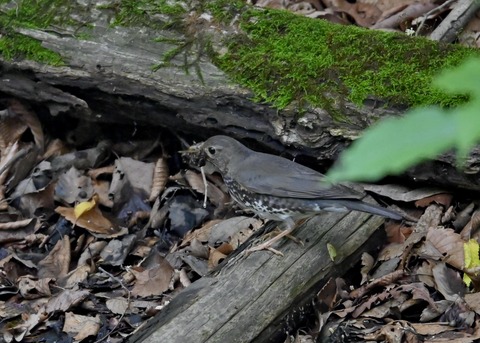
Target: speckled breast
<point>267,206</point>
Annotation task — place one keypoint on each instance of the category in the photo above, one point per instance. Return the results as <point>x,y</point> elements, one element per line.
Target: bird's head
<point>218,153</point>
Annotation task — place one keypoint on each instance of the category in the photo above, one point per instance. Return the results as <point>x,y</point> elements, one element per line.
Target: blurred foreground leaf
<point>395,144</point>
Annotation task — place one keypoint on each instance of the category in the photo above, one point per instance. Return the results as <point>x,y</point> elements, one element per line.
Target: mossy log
<point>149,63</point>
<point>260,297</point>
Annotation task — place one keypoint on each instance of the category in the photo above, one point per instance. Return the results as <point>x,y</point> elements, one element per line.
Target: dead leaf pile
<point>97,239</point>
<point>92,240</point>
<point>421,286</point>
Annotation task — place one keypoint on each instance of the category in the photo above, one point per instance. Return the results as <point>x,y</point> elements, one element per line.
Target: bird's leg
<point>268,244</point>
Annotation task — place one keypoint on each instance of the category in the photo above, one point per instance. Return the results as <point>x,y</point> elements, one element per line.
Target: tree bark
<point>109,77</point>
<point>259,297</point>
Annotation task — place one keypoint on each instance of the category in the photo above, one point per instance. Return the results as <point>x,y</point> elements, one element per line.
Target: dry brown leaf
<point>117,305</point>
<point>431,329</point>
<point>383,310</point>
<point>80,327</point>
<point>160,178</point>
<point>364,14</point>
<point>101,188</point>
<point>93,221</point>
<point>471,229</point>
<point>234,230</point>
<point>138,174</point>
<point>17,235</point>
<point>202,234</point>
<point>473,300</point>
<point>277,4</point>
<point>153,281</point>
<point>448,282</point>
<point>382,281</point>
<point>367,265</point>
<point>76,276</point>
<point>328,295</point>
<point>215,257</point>
<point>117,250</point>
<point>95,173</point>
<point>369,302</point>
<point>11,130</point>
<point>34,201</point>
<point>64,300</point>
<point>425,274</point>
<point>445,245</point>
<point>29,321</point>
<point>418,291</point>
<point>403,18</point>
<point>30,288</point>
<point>197,249</point>
<point>442,199</point>
<point>83,159</point>
<point>55,148</point>
<point>31,120</point>
<point>401,193</point>
<point>397,232</point>
<point>184,279</point>
<point>19,224</point>
<point>225,248</point>
<point>91,251</point>
<point>214,194</point>
<point>57,262</point>
<point>73,186</point>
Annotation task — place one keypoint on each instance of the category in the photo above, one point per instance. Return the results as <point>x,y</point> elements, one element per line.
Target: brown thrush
<point>276,188</point>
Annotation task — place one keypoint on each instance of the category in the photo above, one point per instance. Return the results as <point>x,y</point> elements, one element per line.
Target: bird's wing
<point>278,176</point>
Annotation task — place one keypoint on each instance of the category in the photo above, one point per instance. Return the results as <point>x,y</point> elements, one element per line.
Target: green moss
<point>285,57</point>
<point>140,12</point>
<point>223,10</point>
<point>33,14</point>
<point>38,13</point>
<point>16,45</point>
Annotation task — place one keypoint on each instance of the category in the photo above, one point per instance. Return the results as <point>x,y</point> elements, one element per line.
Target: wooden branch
<point>249,299</point>
<point>453,24</point>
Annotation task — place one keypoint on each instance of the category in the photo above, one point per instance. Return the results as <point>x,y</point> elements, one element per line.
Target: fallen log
<point>255,298</point>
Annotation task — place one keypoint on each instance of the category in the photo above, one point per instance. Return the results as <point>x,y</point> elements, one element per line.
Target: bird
<point>277,188</point>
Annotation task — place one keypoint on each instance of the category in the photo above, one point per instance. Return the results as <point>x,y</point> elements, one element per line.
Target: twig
<point>425,16</point>
<point>453,24</point>
<point>128,302</point>
<point>204,178</point>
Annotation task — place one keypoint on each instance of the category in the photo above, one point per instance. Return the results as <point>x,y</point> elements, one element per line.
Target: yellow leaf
<point>471,249</point>
<point>472,260</point>
<point>85,206</point>
<point>466,279</point>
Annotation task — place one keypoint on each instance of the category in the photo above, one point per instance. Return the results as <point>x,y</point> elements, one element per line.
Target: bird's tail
<point>358,205</point>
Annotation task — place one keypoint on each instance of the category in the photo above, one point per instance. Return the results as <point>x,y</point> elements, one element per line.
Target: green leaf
<point>395,143</point>
<point>462,79</point>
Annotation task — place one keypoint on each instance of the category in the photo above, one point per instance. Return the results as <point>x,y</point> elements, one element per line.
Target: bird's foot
<point>268,244</point>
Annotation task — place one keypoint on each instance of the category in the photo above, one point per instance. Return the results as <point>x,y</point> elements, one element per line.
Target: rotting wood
<point>249,299</point>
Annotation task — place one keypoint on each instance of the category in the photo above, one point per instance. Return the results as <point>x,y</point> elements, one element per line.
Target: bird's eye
<point>211,150</point>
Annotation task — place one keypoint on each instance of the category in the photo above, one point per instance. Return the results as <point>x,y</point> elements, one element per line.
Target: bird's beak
<point>193,149</point>
<point>194,155</point>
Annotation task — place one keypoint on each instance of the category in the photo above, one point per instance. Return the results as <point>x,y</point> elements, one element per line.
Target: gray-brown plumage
<point>277,188</point>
